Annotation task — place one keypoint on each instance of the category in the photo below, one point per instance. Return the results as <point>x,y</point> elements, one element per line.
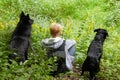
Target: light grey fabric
<point>52,42</point>
<point>56,43</point>
<point>72,50</point>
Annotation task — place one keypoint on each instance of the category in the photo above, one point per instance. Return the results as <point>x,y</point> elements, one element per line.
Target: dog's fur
<point>94,54</point>
<point>20,39</point>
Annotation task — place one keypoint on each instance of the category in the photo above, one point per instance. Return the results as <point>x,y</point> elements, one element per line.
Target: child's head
<point>55,29</point>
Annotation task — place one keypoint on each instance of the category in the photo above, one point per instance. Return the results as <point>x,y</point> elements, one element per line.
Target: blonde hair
<point>55,29</point>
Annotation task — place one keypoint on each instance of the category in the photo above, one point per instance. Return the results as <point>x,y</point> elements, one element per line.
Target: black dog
<point>20,39</point>
<point>94,54</point>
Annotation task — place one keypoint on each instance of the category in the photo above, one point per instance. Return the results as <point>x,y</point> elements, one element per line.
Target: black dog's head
<point>101,34</point>
<point>25,19</point>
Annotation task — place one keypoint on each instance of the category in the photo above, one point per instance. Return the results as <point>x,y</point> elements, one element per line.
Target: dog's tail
<point>32,48</point>
<point>11,57</point>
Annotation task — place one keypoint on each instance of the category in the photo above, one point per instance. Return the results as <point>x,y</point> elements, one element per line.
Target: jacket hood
<point>52,42</point>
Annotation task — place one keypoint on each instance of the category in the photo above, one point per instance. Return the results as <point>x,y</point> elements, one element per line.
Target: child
<point>57,46</point>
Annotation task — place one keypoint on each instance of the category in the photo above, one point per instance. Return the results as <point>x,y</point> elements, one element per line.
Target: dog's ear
<point>96,30</point>
<point>22,14</point>
<point>27,15</point>
<point>106,33</point>
<point>30,20</point>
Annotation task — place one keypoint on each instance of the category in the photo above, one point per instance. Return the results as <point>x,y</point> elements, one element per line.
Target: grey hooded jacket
<point>56,43</point>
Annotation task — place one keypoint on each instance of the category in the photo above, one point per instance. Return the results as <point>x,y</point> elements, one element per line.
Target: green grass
<point>79,19</point>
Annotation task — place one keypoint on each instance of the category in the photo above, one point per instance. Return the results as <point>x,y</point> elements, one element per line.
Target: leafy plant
<point>79,19</point>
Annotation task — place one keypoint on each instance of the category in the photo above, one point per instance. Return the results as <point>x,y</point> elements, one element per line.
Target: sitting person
<point>57,46</point>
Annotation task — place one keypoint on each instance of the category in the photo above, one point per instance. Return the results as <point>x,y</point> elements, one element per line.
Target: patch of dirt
<point>75,75</point>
